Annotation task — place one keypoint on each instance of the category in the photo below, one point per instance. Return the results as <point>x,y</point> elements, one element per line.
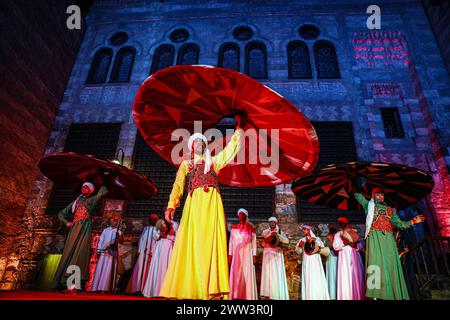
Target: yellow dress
<point>198,268</point>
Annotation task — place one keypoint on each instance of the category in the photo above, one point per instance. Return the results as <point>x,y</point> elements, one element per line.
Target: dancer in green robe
<point>78,243</point>
<point>381,250</point>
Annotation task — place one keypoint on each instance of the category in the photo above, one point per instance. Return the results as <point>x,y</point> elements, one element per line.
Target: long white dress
<point>331,271</point>
<point>314,282</point>
<point>158,265</point>
<point>242,248</point>
<point>106,267</point>
<point>146,244</point>
<point>350,284</point>
<point>273,279</point>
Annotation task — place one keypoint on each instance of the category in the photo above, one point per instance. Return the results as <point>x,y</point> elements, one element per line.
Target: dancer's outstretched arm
<point>362,200</point>
<point>399,223</point>
<point>402,225</point>
<point>102,192</point>
<point>229,152</point>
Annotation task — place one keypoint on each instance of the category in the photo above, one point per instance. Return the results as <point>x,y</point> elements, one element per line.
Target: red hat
<point>377,190</point>
<point>116,218</point>
<point>343,220</point>
<point>154,216</point>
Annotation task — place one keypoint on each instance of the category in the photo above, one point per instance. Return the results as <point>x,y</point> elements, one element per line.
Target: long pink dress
<point>158,266</point>
<point>242,248</point>
<point>350,275</point>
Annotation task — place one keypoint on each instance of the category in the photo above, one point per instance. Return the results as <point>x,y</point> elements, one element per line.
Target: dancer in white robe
<point>273,279</point>
<point>314,283</point>
<point>146,245</point>
<point>331,263</point>
<point>242,257</point>
<point>350,266</point>
<point>106,268</point>
<point>165,238</point>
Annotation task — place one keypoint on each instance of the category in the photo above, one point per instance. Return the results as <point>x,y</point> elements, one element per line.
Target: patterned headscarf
<point>90,186</point>
<point>208,158</point>
<point>243,211</point>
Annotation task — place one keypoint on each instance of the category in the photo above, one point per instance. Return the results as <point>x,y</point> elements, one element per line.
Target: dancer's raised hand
<point>240,121</point>
<point>418,219</point>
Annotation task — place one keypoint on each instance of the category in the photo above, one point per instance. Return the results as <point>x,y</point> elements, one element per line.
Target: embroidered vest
<point>197,179</point>
<point>382,220</point>
<point>81,213</point>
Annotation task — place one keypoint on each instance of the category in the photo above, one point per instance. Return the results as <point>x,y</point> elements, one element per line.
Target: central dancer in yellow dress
<point>198,268</point>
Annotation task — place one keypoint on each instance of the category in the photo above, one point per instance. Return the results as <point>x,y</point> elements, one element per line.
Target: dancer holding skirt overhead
<point>381,249</point>
<point>78,243</point>
<point>198,268</point>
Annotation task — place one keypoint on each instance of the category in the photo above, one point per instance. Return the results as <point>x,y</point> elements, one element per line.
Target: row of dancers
<point>154,252</point>
<point>198,266</point>
<point>342,278</point>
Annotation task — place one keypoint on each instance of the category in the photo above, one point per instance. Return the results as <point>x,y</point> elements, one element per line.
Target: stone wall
<point>37,54</point>
<point>438,12</point>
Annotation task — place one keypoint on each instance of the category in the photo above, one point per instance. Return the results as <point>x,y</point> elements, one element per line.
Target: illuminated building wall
<point>320,56</point>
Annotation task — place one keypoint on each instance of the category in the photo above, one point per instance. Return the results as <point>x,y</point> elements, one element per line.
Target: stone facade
<point>438,12</point>
<point>398,66</point>
<point>37,54</point>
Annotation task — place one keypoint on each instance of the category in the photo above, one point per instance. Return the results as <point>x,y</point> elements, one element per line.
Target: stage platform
<point>53,295</point>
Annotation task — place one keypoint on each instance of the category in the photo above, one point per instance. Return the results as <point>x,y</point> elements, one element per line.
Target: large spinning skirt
<point>198,268</point>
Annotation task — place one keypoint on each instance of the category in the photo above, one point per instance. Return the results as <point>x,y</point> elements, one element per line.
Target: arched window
<point>118,38</point>
<point>243,33</point>
<point>326,61</point>
<point>123,64</point>
<point>298,60</point>
<point>179,35</point>
<point>309,32</point>
<point>162,58</point>
<point>100,66</point>
<point>188,54</point>
<point>256,60</point>
<point>229,56</point>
